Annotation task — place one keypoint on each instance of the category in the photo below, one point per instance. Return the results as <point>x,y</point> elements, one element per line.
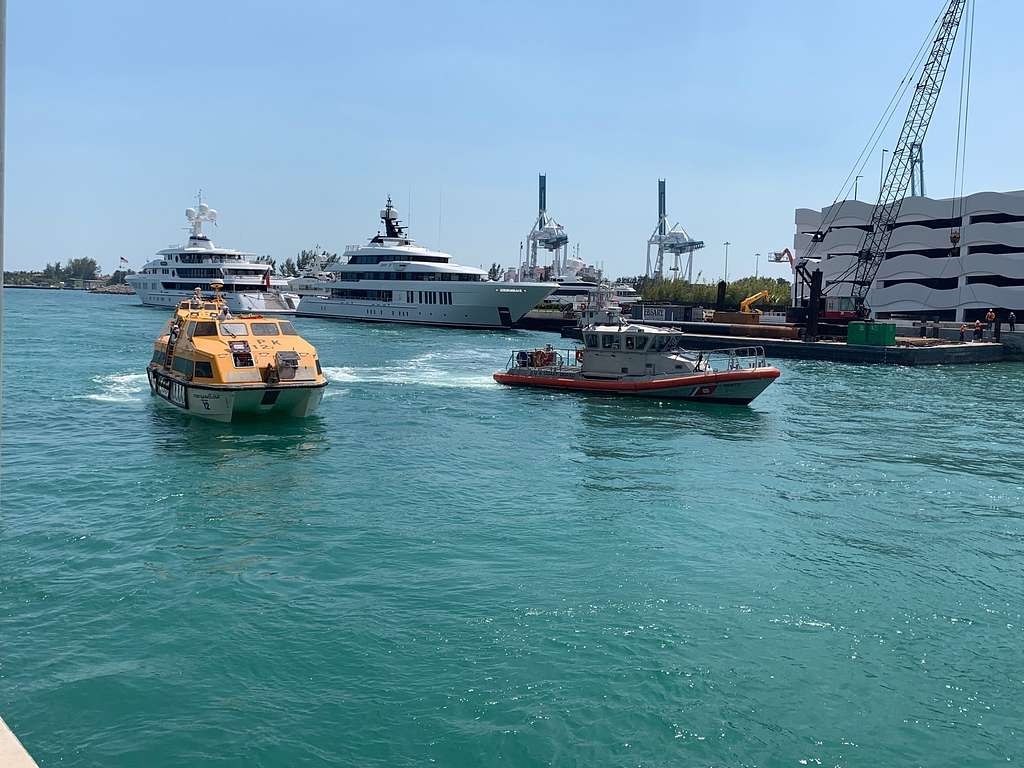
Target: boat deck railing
<point>735,358</point>
<point>556,361</point>
<point>543,360</point>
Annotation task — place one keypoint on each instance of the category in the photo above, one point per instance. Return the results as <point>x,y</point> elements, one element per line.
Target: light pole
<point>881,173</point>
<point>856,179</point>
<point>757,265</point>
<point>727,244</point>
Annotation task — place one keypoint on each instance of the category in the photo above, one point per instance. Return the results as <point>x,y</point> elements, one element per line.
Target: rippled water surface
<point>437,570</point>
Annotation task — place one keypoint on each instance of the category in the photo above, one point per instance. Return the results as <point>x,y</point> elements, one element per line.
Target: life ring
<point>579,355</point>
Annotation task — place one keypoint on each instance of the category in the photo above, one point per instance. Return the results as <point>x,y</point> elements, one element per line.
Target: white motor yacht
<point>394,280</point>
<point>249,285</point>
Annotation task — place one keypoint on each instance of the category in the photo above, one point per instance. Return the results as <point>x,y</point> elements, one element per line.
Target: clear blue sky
<point>296,119</point>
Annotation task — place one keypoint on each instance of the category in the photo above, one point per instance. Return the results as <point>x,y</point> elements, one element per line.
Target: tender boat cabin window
<point>203,370</point>
<point>288,329</point>
<point>641,343</point>
<point>265,329</point>
<point>592,340</point>
<point>233,329</point>
<point>609,341</point>
<point>183,365</point>
<point>658,343</point>
<point>205,328</point>
<point>630,343</point>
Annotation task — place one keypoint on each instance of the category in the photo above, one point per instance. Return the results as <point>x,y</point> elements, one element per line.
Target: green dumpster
<point>857,333</point>
<point>881,334</point>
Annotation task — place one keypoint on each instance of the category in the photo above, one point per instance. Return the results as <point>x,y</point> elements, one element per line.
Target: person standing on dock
<point>1012,320</point>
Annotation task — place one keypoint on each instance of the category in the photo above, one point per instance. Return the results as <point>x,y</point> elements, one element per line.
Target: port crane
<point>902,165</point>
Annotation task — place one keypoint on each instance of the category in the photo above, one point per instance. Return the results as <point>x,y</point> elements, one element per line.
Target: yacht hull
<point>491,306</point>
<point>729,387</point>
<point>239,302</point>
<point>225,403</point>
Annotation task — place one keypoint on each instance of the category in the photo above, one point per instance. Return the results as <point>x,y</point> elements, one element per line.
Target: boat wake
<point>414,375</point>
<point>119,388</point>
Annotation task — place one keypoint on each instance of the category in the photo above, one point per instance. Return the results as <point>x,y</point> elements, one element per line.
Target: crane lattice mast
<point>901,167</point>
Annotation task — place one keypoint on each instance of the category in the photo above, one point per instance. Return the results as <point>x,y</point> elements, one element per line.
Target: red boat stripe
<point>636,386</point>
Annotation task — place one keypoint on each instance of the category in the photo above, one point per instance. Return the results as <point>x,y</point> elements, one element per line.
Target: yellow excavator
<point>747,303</point>
<point>747,314</point>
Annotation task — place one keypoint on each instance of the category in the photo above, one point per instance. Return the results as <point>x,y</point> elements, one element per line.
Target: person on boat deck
<point>1012,320</point>
<point>963,330</point>
<point>990,317</point>
<point>979,330</point>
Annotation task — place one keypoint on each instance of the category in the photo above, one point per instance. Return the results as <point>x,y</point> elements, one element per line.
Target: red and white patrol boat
<point>645,361</point>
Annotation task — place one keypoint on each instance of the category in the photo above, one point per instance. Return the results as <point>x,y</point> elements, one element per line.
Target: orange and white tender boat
<point>643,361</point>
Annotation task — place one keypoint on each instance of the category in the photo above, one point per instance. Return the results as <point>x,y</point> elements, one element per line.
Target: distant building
<point>923,274</point>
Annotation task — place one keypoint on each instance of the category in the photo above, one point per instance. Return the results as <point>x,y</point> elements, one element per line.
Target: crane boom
<point>901,168</point>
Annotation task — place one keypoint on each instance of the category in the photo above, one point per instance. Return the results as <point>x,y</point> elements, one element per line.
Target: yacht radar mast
<point>196,216</point>
<point>547,234</point>
<point>393,227</point>
<point>676,241</point>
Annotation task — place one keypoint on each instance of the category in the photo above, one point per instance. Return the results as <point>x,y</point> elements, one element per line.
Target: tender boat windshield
<point>233,329</point>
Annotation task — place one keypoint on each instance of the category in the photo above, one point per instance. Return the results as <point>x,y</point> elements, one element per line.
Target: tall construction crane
<point>901,167</point>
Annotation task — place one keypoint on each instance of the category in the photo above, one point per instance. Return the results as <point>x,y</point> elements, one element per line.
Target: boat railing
<point>735,358</point>
<point>543,360</point>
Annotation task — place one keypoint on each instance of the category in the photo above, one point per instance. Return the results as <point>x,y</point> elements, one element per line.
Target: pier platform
<point>948,353</point>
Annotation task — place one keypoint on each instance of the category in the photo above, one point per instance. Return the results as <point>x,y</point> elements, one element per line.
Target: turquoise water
<point>439,571</point>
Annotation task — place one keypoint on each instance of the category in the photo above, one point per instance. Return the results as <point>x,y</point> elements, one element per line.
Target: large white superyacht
<point>394,280</point>
<point>249,285</point>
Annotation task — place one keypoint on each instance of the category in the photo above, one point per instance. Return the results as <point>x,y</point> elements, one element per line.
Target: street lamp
<point>727,244</point>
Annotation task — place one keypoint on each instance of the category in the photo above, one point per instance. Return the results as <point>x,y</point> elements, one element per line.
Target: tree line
<point>705,294</point>
<point>56,273</point>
